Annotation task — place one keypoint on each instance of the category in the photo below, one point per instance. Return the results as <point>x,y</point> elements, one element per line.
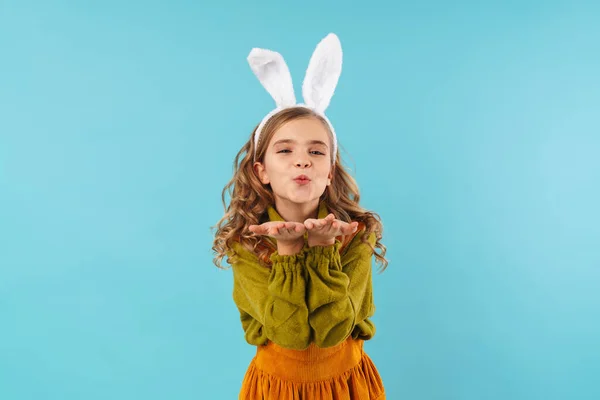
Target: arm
<point>340,291</point>
<point>272,300</point>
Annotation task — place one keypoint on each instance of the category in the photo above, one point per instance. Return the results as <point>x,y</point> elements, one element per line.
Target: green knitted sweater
<point>321,295</point>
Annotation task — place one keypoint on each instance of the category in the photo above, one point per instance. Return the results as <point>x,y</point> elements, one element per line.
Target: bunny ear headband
<point>320,81</point>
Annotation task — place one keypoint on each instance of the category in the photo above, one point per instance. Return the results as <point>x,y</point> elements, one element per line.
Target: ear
<point>260,171</point>
<point>330,175</point>
<point>273,73</point>
<point>323,73</point>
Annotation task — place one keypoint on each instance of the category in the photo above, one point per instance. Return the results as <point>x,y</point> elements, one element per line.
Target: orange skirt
<point>343,372</point>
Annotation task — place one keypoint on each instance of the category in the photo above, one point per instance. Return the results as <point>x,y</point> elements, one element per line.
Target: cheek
<point>274,171</point>
<point>276,175</point>
<point>324,171</point>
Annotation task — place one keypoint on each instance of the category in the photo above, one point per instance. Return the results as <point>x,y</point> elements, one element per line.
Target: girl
<point>300,246</point>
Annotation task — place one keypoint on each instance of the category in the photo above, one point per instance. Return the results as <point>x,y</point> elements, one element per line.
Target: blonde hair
<point>250,199</point>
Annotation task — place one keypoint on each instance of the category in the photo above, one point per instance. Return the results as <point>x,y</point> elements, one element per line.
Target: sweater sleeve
<point>339,295</point>
<point>272,300</point>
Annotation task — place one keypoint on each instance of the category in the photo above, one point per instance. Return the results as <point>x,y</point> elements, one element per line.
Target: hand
<point>280,231</point>
<point>322,232</point>
<point>289,235</point>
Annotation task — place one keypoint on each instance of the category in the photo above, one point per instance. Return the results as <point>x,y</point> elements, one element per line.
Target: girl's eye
<point>284,151</point>
<point>317,152</point>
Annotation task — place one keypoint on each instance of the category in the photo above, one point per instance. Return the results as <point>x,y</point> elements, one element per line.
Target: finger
<point>257,229</point>
<point>289,228</point>
<point>277,228</point>
<point>328,223</point>
<point>317,225</point>
<point>333,228</point>
<point>350,228</point>
<point>309,223</point>
<point>292,226</point>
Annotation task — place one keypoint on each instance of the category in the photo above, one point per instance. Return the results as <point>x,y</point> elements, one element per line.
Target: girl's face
<point>297,162</point>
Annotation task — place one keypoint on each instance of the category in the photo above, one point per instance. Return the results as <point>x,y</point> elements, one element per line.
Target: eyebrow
<point>290,141</point>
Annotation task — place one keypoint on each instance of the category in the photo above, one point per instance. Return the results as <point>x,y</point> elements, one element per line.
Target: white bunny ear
<point>273,73</point>
<point>323,73</point>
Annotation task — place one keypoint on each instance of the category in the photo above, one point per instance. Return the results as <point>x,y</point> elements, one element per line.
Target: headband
<point>320,81</point>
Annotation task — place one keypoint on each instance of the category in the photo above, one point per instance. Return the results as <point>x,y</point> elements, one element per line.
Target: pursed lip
<point>302,178</point>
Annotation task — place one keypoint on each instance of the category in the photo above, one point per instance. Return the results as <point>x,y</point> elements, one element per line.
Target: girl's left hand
<point>322,232</point>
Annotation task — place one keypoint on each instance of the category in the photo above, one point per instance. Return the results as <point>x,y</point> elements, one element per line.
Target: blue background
<point>473,130</point>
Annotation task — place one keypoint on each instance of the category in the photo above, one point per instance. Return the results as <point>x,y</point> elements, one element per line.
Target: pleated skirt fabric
<point>343,372</point>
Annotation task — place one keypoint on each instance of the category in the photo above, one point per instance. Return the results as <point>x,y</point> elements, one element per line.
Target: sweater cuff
<point>289,262</point>
<point>324,257</point>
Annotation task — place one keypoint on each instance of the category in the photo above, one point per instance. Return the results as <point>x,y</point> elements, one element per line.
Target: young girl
<point>300,246</point>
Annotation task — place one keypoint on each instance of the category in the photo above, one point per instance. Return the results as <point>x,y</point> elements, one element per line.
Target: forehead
<point>302,130</point>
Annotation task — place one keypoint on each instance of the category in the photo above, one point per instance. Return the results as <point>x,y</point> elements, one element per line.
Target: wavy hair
<point>250,199</point>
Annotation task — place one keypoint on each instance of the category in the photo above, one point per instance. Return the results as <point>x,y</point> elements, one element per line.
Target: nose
<point>302,160</point>
<point>302,164</point>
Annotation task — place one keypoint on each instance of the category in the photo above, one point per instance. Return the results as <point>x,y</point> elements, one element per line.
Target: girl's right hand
<point>286,232</point>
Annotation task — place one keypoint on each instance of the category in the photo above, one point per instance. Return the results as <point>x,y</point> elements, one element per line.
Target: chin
<point>299,197</point>
<point>304,199</point>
